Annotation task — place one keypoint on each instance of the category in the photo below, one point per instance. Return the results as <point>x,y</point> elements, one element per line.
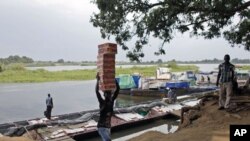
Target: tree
<point>16,59</point>
<point>26,60</point>
<point>159,61</point>
<point>60,61</point>
<point>1,68</point>
<point>140,19</point>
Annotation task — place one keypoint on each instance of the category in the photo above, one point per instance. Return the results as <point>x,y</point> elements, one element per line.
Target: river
<point>60,68</point>
<point>202,67</point>
<point>27,100</point>
<point>21,101</point>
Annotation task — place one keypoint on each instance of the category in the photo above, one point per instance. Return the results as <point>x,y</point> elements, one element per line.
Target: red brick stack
<point>106,65</point>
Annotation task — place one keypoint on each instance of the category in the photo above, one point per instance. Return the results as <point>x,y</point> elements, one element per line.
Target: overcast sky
<point>55,29</point>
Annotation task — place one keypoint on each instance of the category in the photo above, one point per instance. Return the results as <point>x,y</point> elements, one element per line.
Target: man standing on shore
<point>106,110</point>
<point>49,104</point>
<point>172,95</point>
<point>225,78</point>
<point>208,79</point>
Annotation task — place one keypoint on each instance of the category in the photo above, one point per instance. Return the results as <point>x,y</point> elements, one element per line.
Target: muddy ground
<point>213,125</point>
<point>14,139</point>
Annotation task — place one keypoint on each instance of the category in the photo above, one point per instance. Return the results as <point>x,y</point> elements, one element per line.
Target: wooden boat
<point>145,92</point>
<point>161,93</point>
<point>62,128</point>
<point>242,77</point>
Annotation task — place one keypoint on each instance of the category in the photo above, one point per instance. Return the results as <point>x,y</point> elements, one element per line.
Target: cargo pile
<point>106,66</point>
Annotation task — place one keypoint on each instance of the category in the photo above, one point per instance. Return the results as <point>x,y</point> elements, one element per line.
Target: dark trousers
<point>49,109</point>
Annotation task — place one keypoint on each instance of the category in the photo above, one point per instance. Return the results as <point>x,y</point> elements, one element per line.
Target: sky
<point>49,30</point>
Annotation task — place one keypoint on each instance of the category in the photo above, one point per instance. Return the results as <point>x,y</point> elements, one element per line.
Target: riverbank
<point>21,75</point>
<point>210,124</point>
<point>213,125</point>
<point>14,139</point>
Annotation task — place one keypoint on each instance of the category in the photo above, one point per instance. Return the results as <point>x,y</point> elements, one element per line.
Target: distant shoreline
<point>22,75</point>
<point>19,74</point>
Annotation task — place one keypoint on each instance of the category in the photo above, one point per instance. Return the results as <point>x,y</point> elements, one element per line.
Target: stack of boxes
<point>106,66</point>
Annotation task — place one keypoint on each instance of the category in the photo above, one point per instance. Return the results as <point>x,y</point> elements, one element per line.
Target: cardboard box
<point>106,65</point>
<point>113,45</point>
<point>104,87</point>
<point>107,81</point>
<point>106,58</point>
<point>106,71</point>
<point>106,76</point>
<point>110,65</point>
<point>108,48</point>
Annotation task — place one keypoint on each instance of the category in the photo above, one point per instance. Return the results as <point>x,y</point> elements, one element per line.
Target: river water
<point>27,100</point>
<point>60,68</point>
<point>202,67</point>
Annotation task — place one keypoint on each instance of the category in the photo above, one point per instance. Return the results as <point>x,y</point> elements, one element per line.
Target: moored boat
<point>82,125</point>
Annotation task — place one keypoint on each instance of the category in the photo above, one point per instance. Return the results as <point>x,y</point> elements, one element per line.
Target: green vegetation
<point>28,62</point>
<point>17,73</point>
<point>16,59</point>
<point>215,61</point>
<point>45,76</point>
<point>139,20</point>
<point>41,64</point>
<point>151,70</point>
<point>247,67</point>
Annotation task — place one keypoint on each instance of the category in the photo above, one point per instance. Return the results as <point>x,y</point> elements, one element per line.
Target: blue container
<point>136,79</point>
<point>170,85</point>
<point>177,85</point>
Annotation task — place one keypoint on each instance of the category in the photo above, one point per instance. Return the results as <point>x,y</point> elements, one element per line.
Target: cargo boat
<point>82,125</point>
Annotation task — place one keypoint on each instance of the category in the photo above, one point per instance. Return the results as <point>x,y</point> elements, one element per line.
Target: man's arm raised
<point>98,95</point>
<point>116,91</point>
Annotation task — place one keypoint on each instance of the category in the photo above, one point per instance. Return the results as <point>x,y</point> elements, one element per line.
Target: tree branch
<point>155,4</point>
<point>242,7</point>
<point>198,22</point>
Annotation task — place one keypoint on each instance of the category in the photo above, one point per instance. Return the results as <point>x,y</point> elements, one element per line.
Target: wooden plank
<point>176,113</point>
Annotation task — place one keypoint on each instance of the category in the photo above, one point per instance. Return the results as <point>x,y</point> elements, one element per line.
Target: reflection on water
<point>27,100</point>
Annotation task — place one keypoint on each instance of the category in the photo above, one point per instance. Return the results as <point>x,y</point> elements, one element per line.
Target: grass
<point>17,74</point>
<point>45,76</point>
<point>245,67</point>
<point>151,70</point>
